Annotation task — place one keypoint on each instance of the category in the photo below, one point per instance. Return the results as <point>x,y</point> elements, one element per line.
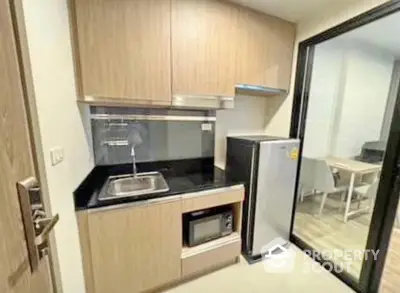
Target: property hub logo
<point>280,257</point>
<point>277,257</point>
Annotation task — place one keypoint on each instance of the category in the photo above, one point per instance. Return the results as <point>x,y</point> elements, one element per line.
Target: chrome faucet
<point>133,160</point>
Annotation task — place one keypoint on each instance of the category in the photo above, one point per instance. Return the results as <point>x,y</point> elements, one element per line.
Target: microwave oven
<point>203,226</point>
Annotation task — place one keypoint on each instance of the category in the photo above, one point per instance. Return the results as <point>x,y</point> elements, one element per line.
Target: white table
<point>354,168</point>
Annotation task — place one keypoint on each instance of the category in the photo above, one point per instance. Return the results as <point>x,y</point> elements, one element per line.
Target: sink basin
<point>133,186</point>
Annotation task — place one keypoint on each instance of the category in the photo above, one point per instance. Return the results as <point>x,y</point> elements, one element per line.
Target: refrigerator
<point>267,166</point>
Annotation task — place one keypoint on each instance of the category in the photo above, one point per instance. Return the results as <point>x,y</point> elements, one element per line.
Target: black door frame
<point>385,209</point>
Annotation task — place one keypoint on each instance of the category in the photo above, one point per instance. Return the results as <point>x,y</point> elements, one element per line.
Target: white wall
<point>279,120</point>
<point>248,117</point>
<point>61,123</point>
<point>324,92</point>
<point>367,75</point>
<point>348,96</point>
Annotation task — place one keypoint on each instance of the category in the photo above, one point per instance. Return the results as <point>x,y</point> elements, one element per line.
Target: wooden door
<point>124,49</point>
<point>137,248</point>
<point>203,47</point>
<point>265,50</point>
<point>16,164</point>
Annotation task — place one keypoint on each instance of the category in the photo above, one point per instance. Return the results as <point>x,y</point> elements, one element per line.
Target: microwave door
<point>204,229</point>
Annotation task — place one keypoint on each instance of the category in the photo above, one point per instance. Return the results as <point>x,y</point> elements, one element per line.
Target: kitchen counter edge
<point>164,199</point>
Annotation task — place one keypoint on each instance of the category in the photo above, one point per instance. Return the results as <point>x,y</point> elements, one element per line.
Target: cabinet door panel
<point>124,48</point>
<point>265,50</point>
<point>203,51</point>
<point>137,248</point>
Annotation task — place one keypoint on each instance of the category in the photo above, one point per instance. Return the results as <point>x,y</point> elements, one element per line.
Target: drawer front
<point>210,259</point>
<point>212,198</point>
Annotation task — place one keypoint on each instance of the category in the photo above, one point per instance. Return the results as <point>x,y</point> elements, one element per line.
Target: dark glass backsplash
<point>157,134</point>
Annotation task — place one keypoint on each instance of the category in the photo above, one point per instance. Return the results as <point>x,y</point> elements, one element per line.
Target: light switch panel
<point>56,155</point>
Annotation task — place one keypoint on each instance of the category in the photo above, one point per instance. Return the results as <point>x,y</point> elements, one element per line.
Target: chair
<point>306,176</point>
<point>369,191</point>
<point>325,182</point>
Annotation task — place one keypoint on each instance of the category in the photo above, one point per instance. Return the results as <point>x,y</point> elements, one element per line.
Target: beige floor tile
<point>254,279</point>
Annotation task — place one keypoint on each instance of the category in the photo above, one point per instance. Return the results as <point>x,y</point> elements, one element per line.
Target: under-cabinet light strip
<point>151,117</point>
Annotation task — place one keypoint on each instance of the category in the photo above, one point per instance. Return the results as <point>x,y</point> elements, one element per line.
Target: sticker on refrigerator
<point>294,153</point>
<point>206,127</point>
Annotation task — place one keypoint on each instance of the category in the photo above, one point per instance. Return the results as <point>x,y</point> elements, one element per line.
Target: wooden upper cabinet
<point>265,50</point>
<point>132,50</point>
<point>124,48</point>
<point>204,33</point>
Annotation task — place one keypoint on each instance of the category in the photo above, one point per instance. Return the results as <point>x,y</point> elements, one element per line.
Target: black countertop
<point>182,176</point>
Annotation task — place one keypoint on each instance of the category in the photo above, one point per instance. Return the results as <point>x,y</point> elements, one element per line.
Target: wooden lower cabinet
<point>138,247</point>
<point>211,255</point>
<point>135,249</point>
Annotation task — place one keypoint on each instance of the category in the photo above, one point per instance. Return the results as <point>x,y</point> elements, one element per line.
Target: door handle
<point>36,226</point>
<point>45,225</point>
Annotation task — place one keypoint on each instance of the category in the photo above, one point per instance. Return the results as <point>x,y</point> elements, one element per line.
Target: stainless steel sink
<point>133,186</point>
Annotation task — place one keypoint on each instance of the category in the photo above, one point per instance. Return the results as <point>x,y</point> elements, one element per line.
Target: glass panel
<point>156,134</point>
<point>353,90</point>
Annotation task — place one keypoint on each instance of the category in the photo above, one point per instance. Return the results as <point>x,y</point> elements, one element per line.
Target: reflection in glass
<point>352,95</point>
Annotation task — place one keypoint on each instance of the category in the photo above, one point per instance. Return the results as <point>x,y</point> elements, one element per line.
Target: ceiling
<point>292,10</point>
<point>383,33</point>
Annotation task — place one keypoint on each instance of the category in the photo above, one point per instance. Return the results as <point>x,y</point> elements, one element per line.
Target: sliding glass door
<point>346,112</point>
